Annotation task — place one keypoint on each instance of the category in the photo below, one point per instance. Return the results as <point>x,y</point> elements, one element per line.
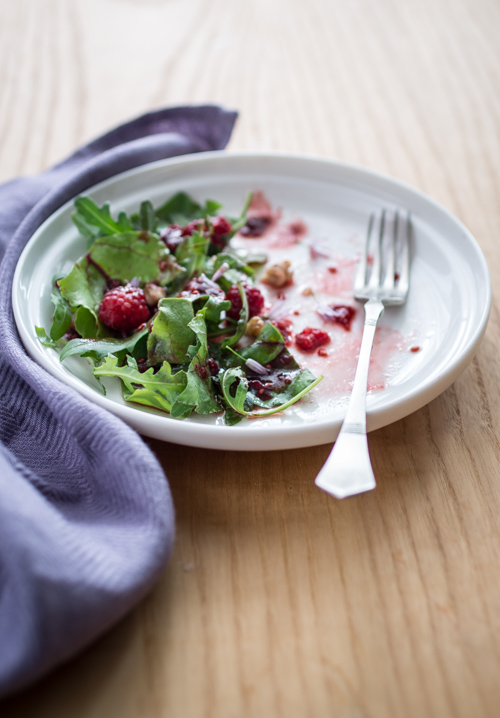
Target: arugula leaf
<point>62,312</point>
<point>45,339</point>
<point>295,391</point>
<point>159,389</point>
<point>83,286</point>
<point>171,334</point>
<point>146,218</point>
<point>211,208</point>
<point>124,223</point>
<point>301,381</point>
<point>86,230</point>
<point>237,377</point>
<point>128,255</point>
<point>237,224</point>
<point>159,398</point>
<point>94,221</point>
<point>99,348</point>
<point>180,209</point>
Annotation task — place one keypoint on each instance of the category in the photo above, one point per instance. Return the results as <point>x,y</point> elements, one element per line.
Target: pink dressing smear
<point>320,280</point>
<point>337,278</point>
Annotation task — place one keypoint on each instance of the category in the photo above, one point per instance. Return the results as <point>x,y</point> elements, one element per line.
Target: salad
<point>162,302</point>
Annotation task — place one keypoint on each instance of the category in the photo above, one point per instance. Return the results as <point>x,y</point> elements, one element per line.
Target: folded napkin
<point>86,516</point>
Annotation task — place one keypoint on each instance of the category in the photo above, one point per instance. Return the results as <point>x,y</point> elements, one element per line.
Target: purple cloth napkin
<point>86,516</point>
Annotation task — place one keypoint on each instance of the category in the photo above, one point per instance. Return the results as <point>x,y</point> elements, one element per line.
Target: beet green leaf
<point>128,255</point>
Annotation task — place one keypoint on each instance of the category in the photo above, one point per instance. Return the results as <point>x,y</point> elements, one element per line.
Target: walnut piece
<point>254,326</point>
<point>279,275</point>
<point>153,293</point>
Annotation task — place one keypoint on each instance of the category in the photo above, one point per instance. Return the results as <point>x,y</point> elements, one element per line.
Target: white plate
<point>446,312</point>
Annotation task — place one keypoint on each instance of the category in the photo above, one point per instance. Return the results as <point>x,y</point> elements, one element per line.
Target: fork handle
<point>348,469</point>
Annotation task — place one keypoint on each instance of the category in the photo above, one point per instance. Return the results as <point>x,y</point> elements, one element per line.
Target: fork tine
<point>384,268</point>
<point>360,279</point>
<point>374,282</point>
<point>389,278</point>
<point>404,275</point>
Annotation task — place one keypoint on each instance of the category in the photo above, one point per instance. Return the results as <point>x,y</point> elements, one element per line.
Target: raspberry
<point>311,339</point>
<point>220,225</point>
<point>254,297</point>
<point>342,314</point>
<point>124,308</point>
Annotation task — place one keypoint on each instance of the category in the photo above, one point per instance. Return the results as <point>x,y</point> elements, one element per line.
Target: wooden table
<point>278,599</point>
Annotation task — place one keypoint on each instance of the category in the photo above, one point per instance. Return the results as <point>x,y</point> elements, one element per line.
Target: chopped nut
<point>254,326</point>
<point>307,292</point>
<point>153,293</point>
<point>278,275</point>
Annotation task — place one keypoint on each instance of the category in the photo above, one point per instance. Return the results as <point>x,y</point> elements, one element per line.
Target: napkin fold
<point>86,515</point>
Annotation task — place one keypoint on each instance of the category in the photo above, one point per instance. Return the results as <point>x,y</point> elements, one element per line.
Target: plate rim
<point>301,435</point>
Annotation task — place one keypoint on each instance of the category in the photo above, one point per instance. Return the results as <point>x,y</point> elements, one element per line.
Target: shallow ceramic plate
<point>446,312</point>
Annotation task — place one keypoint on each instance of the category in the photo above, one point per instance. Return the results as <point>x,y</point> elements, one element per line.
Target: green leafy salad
<point>162,302</point>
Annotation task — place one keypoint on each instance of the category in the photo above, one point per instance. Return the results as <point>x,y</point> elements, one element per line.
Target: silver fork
<point>382,279</point>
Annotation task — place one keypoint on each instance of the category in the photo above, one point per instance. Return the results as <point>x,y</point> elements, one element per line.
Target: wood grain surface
<point>280,600</point>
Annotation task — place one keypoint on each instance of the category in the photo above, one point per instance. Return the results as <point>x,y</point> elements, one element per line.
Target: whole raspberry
<point>220,225</point>
<point>310,339</point>
<point>124,308</point>
<point>221,228</point>
<point>254,298</point>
